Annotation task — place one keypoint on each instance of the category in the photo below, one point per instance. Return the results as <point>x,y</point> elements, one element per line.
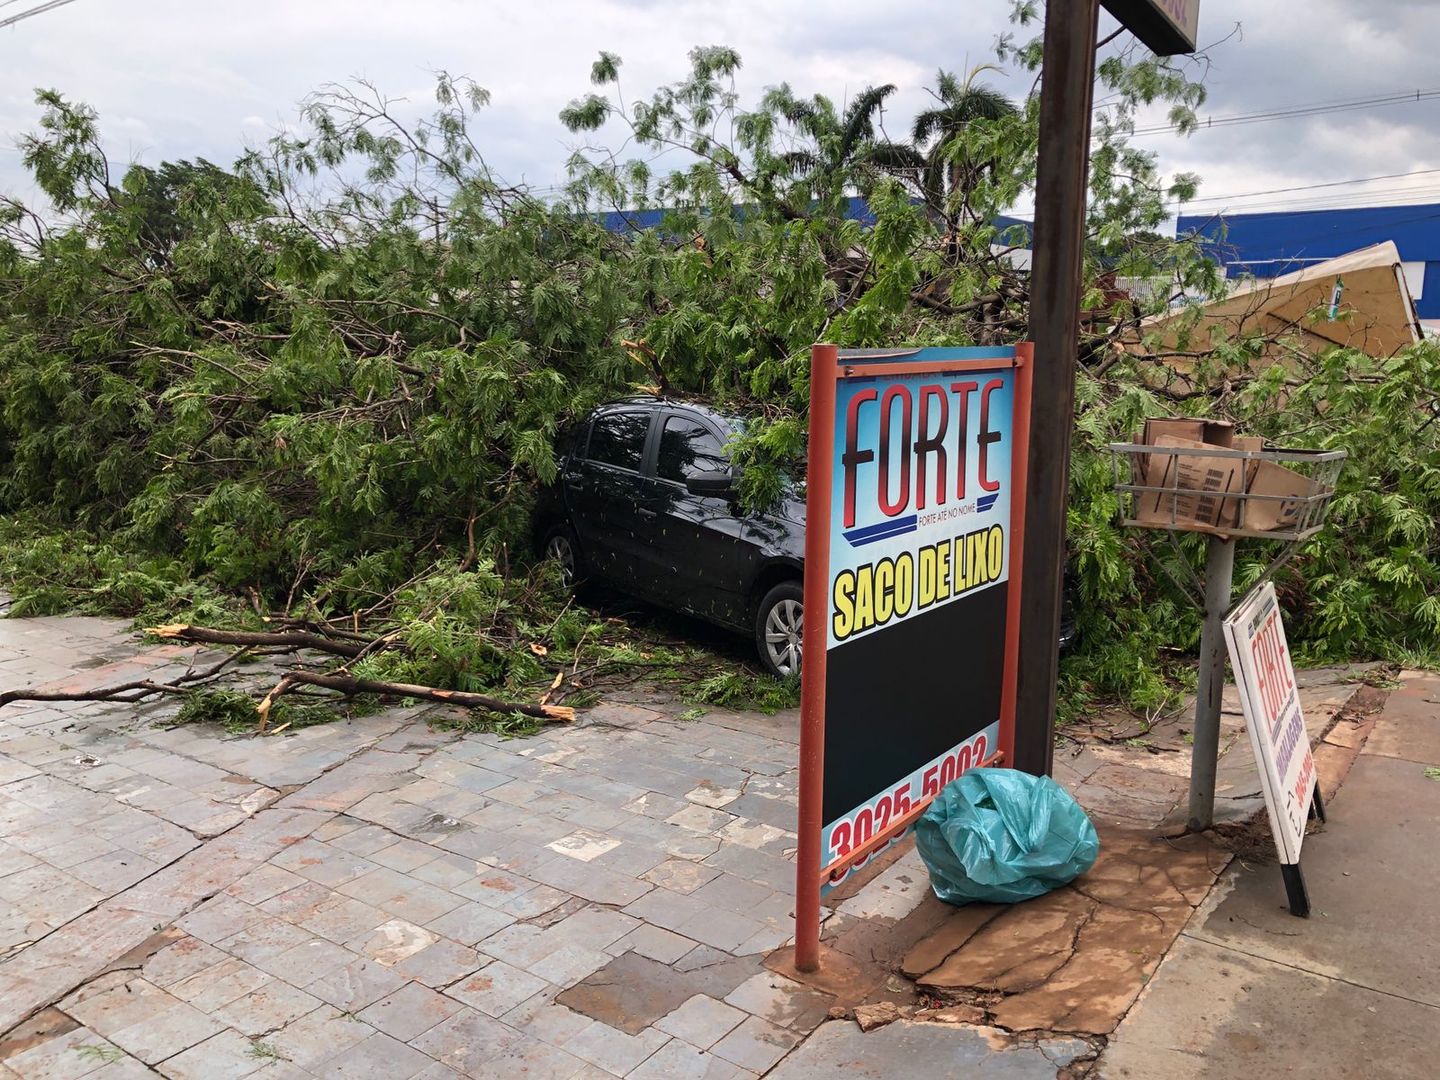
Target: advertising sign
<point>1166,26</point>
<point>1265,678</point>
<point>914,509</point>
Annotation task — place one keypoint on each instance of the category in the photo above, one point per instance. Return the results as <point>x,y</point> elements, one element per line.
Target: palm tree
<point>846,152</point>
<point>947,177</point>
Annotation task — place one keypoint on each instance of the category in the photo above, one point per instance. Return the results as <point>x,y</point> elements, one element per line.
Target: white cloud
<point>175,78</point>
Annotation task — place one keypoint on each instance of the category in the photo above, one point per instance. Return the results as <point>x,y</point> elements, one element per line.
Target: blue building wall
<point>1270,244</point>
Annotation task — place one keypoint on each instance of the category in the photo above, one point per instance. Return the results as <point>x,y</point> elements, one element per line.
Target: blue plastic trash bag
<point>1000,836</point>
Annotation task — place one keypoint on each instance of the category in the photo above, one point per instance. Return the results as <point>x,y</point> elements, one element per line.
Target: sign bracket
<point>1296,891</point>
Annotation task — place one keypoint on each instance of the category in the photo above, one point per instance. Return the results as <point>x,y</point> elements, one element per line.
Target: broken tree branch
<point>127,692</point>
<point>137,690</point>
<point>297,639</point>
<point>350,684</point>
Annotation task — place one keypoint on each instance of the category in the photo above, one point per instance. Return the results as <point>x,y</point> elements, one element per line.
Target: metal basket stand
<point>1151,481</point>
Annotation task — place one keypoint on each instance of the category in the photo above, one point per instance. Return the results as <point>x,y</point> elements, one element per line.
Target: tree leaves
<point>317,372</point>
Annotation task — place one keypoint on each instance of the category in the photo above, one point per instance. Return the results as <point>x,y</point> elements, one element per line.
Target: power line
<point>1355,202</point>
<point>1296,112</point>
<point>1353,198</point>
<point>1314,187</point>
<point>37,10</point>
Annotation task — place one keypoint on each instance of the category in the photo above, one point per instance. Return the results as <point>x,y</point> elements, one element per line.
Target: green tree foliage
<point>331,377</point>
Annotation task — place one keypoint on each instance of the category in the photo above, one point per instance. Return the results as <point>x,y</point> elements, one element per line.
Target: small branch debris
<point>340,681</point>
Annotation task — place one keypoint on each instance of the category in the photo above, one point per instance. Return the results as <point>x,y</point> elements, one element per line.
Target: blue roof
<point>639,220</point>
<point>1267,245</point>
<point>856,209</point>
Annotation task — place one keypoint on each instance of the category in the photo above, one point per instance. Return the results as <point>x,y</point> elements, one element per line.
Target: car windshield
<point>792,473</point>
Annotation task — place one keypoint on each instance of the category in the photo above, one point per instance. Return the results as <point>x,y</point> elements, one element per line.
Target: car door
<point>696,558</point>
<point>606,489</point>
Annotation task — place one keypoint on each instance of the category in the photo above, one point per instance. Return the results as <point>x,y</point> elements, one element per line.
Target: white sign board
<point>1266,680</point>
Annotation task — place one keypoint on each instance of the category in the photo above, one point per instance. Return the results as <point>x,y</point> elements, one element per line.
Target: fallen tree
<point>289,641</point>
<point>314,394</point>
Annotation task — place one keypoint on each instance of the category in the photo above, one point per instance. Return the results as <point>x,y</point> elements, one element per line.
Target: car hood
<point>791,510</point>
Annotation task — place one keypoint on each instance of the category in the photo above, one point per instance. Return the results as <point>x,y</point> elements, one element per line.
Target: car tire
<point>778,620</point>
<point>560,546</point>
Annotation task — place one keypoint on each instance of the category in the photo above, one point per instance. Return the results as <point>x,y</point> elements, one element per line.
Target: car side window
<point>687,448</point>
<point>619,439</point>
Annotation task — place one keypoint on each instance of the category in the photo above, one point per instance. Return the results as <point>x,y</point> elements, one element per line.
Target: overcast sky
<point>179,79</point>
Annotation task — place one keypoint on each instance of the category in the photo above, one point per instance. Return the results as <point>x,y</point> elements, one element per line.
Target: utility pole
<point>1067,80</point>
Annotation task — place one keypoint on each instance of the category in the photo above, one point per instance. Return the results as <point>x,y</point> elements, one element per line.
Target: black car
<point>646,503</point>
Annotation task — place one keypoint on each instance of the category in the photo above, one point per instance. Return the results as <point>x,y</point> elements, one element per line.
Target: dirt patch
<point>632,991</point>
<point>45,1025</point>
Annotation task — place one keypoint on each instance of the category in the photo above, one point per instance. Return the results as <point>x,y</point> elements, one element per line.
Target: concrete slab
<point>1409,727</point>
<point>1218,1014</point>
<point>1372,879</point>
<point>932,1050</point>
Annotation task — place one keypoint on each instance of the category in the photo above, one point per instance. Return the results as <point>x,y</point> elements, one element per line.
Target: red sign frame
<point>827,372</point>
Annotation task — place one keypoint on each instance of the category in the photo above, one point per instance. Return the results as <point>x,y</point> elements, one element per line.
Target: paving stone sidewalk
<point>387,898</point>
<point>380,898</point>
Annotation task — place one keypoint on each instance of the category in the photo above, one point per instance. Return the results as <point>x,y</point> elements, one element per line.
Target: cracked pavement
<point>1353,991</point>
<point>1076,960</point>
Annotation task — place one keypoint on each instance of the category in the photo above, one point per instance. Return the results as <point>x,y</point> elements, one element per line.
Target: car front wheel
<point>779,621</point>
<point>561,549</point>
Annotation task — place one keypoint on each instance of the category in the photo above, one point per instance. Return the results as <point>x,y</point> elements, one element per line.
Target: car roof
<point>655,401</point>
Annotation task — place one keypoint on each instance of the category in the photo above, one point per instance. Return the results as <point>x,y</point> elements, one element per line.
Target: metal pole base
<point>1205,755</point>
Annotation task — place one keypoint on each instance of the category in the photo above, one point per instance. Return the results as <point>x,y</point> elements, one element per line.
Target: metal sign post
<point>915,504</point>
<point>1165,485</point>
<point>1205,754</point>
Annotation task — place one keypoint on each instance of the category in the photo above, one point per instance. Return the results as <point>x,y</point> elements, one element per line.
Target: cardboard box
<point>1200,488</point>
<point>1215,432</point>
<point>1248,442</point>
<point>1264,515</point>
<point>1219,433</point>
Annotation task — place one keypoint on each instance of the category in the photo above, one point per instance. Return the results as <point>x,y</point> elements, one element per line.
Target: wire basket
<point>1268,494</point>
